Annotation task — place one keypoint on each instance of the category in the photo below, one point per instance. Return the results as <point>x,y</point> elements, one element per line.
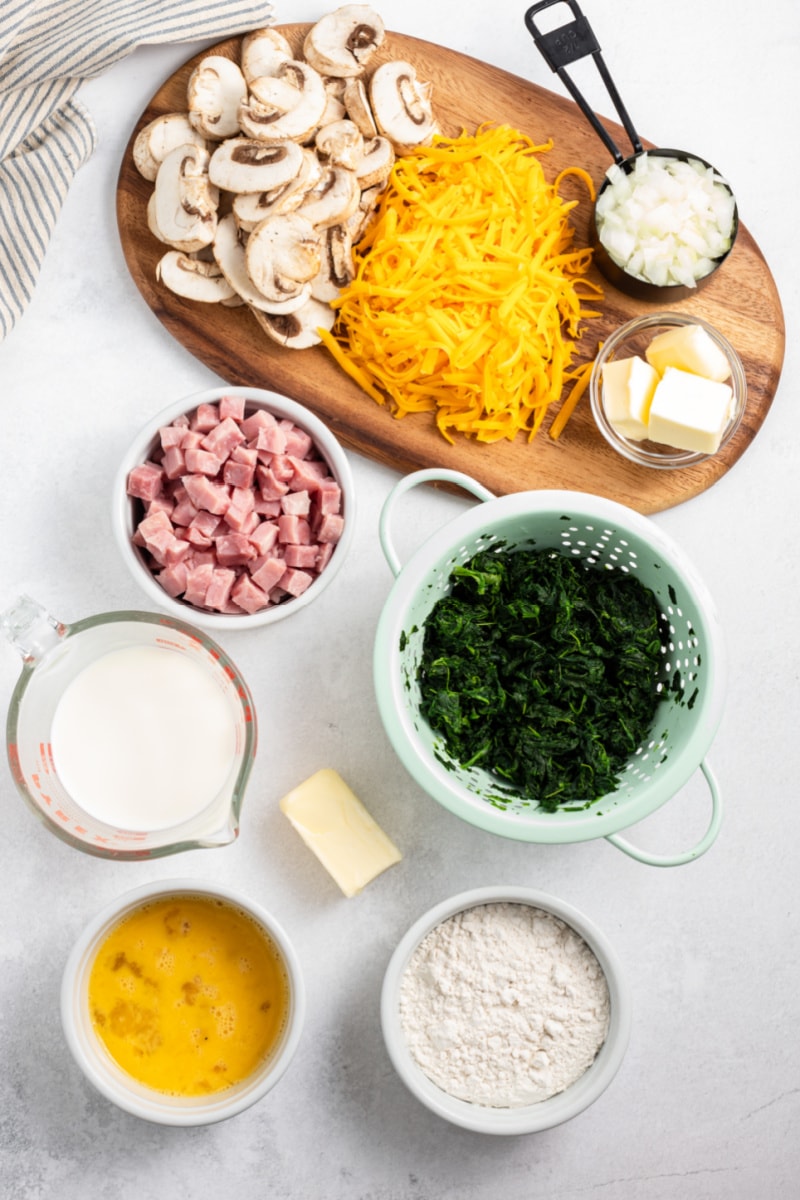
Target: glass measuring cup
<point>54,656</point>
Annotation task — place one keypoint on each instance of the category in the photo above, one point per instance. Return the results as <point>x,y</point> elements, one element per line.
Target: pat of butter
<point>689,412</point>
<point>628,387</point>
<point>690,348</point>
<point>334,824</point>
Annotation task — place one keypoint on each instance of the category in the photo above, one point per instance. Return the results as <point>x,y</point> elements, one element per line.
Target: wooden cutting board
<point>742,302</point>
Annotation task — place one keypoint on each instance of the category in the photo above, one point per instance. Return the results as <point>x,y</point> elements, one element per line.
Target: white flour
<point>504,1005</point>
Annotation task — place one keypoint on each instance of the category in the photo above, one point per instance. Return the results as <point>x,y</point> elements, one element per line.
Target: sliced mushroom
<point>215,90</point>
<point>230,256</point>
<point>337,268</point>
<point>376,163</point>
<point>287,105</point>
<point>252,208</point>
<point>367,207</point>
<point>263,52</point>
<point>401,105</point>
<point>333,199</point>
<point>357,106</point>
<point>283,254</point>
<point>184,209</point>
<point>343,42</point>
<point>298,330</point>
<point>154,142</point>
<point>334,109</point>
<point>248,165</point>
<point>193,278</point>
<point>341,143</point>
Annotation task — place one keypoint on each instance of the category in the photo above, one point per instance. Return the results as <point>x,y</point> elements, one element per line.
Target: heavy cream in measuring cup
<point>143,738</point>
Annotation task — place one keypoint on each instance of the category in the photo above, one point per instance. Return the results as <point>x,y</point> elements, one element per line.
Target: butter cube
<point>689,412</point>
<point>690,348</point>
<point>334,824</point>
<point>628,387</point>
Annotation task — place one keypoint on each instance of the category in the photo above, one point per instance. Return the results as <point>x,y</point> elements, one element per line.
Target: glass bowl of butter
<point>668,390</point>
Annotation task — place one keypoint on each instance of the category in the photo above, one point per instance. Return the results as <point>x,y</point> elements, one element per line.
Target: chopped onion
<point>667,220</point>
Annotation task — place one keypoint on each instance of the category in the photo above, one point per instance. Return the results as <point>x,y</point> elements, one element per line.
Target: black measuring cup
<point>560,48</point>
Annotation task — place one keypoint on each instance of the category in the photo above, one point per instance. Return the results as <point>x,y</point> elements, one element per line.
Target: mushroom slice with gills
<point>230,256</point>
<point>248,165</point>
<point>401,105</point>
<point>263,52</point>
<point>376,162</point>
<point>184,205</point>
<point>343,42</point>
<point>334,198</point>
<point>338,268</point>
<point>283,254</point>
<point>154,142</point>
<point>215,90</point>
<point>357,106</point>
<point>298,330</point>
<point>287,105</point>
<point>251,208</point>
<point>193,278</point>
<point>367,207</point>
<point>341,143</point>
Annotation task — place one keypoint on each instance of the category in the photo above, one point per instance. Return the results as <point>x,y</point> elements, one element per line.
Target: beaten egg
<point>188,994</point>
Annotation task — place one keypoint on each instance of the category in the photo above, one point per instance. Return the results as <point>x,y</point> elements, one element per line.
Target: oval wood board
<point>742,302</point>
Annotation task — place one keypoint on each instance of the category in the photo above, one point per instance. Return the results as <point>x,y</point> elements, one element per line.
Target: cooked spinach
<point>542,671</point>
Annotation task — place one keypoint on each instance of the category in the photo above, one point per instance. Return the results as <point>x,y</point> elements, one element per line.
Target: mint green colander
<point>607,536</point>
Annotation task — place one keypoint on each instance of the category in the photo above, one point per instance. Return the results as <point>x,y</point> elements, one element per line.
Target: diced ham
<point>237,513</point>
<point>145,481</point>
<point>234,550</point>
<point>260,419</point>
<point>296,582</point>
<point>219,589</point>
<point>174,462</point>
<point>205,418</point>
<point>249,595</point>
<point>271,439</point>
<point>329,497</point>
<point>330,528</point>
<point>264,536</point>
<point>294,529</point>
<point>302,556</point>
<point>270,487</point>
<point>205,493</point>
<point>296,504</point>
<point>269,573</point>
<point>223,439</point>
<point>202,462</point>
<point>238,474</point>
<point>298,442</point>
<point>198,580</point>
<point>184,512</point>
<point>232,406</point>
<point>173,578</point>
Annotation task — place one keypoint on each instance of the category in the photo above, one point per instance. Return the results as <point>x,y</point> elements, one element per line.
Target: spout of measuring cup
<point>30,628</point>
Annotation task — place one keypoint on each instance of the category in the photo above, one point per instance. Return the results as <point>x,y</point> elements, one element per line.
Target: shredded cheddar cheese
<point>469,293</point>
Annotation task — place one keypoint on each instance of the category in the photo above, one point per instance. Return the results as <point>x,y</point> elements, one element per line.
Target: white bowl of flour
<point>505,1010</point>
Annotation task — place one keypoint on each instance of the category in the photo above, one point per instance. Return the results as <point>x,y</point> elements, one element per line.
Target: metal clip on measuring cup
<point>54,656</point>
<point>560,48</point>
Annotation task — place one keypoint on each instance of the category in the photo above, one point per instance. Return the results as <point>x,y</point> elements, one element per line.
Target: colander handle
<point>677,860</point>
<point>429,475</point>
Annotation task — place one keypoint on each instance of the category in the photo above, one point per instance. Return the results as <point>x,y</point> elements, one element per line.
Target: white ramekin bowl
<point>126,511</point>
<point>534,1117</point>
<point>117,1085</point>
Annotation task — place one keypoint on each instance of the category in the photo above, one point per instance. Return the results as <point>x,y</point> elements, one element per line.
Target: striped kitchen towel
<point>47,49</point>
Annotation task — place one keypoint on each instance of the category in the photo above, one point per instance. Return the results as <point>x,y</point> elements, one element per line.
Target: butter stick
<point>334,824</point>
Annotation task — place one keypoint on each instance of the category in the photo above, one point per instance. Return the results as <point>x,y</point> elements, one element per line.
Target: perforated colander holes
<point>647,759</point>
<point>681,652</point>
<point>605,548</point>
